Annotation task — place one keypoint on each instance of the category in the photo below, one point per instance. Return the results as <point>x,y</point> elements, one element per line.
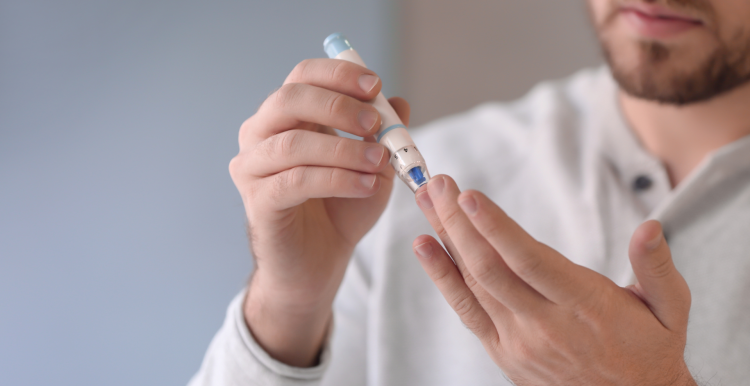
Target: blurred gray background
<point>121,233</point>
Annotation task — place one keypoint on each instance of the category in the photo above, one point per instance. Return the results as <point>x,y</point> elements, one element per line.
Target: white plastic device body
<point>392,134</point>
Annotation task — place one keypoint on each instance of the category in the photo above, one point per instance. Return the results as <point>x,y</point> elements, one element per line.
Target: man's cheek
<point>601,12</point>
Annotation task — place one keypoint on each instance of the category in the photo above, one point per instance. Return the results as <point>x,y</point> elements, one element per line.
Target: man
<point>545,284</point>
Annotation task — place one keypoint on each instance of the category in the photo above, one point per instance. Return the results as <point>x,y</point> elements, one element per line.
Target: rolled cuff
<point>235,357</point>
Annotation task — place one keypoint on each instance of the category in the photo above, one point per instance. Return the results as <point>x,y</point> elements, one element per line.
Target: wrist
<point>302,296</point>
<point>292,331</point>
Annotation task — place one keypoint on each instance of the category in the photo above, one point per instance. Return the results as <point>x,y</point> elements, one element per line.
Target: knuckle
<point>470,281</point>
<point>234,167</point>
<point>335,104</point>
<point>451,219</point>
<point>339,72</point>
<point>285,95</point>
<point>265,149</point>
<point>296,177</point>
<point>528,266</point>
<point>661,268</point>
<point>336,177</point>
<point>440,276</point>
<point>241,169</point>
<point>285,182</point>
<point>492,229</point>
<point>441,231</point>
<point>339,150</point>
<point>484,270</point>
<point>244,133</point>
<point>270,98</point>
<point>464,308</point>
<point>301,69</point>
<point>245,126</point>
<point>287,144</point>
<point>279,146</point>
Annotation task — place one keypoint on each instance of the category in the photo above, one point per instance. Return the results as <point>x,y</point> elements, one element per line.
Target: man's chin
<point>659,76</point>
<point>650,84</point>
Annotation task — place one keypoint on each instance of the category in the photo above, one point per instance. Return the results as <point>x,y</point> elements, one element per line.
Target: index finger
<point>481,259</point>
<point>428,209</point>
<point>544,269</point>
<point>298,105</point>
<point>337,75</point>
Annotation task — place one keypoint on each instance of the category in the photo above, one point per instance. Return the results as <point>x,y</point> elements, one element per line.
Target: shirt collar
<point>619,146</point>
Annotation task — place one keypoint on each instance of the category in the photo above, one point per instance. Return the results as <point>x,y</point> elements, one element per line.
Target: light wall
<point>456,54</point>
<point>122,237</point>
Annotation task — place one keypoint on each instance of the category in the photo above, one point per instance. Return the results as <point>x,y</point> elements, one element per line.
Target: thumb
<point>659,285</point>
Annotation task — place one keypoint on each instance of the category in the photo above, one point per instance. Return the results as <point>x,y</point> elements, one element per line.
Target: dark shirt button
<point>642,183</point>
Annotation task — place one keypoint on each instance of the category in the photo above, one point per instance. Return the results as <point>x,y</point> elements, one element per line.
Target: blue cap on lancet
<point>416,174</point>
<point>336,44</point>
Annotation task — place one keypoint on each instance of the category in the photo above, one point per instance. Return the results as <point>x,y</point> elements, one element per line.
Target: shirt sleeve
<point>349,339</point>
<point>234,358</point>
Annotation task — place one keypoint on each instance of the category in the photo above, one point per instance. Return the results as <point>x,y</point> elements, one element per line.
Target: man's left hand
<point>543,319</point>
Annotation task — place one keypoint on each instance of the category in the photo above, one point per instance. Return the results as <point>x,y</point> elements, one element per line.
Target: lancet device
<point>405,157</point>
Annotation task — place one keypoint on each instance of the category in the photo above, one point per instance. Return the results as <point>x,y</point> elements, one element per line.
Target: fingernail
<point>368,180</point>
<point>469,205</point>
<point>424,250</point>
<point>367,82</point>
<point>367,119</point>
<point>436,186</point>
<point>424,201</point>
<point>654,243</point>
<point>374,154</point>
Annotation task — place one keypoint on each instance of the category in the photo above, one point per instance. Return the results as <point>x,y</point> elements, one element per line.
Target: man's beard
<point>660,76</point>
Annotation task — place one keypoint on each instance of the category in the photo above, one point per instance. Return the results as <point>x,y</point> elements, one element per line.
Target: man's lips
<point>656,22</point>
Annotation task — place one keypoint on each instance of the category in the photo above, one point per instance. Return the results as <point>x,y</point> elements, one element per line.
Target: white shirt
<point>563,163</point>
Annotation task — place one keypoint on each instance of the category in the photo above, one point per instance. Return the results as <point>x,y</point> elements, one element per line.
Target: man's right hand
<point>310,196</point>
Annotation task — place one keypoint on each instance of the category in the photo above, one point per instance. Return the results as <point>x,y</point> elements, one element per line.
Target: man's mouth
<point>657,22</point>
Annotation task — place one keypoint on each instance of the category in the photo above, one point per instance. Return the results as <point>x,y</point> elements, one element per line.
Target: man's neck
<point>681,137</point>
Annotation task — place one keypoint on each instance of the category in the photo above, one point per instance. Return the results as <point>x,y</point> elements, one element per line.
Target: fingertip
<point>436,185</point>
<point>421,239</point>
<point>473,193</point>
<point>469,194</point>
<point>447,178</point>
<point>376,186</point>
<point>468,204</point>
<point>424,246</point>
<point>377,157</point>
<point>653,227</point>
<point>369,184</point>
<point>654,243</point>
<point>648,237</point>
<point>471,200</point>
<point>369,121</point>
<point>372,94</point>
<point>370,84</point>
